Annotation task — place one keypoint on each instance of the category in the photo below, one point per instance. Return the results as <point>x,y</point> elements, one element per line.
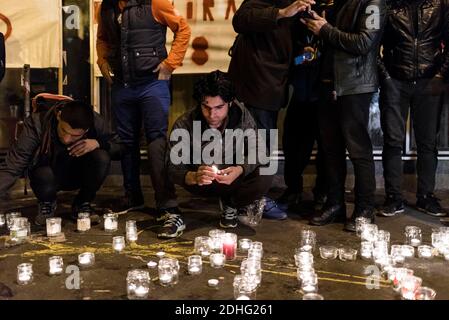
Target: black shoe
<point>430,205</point>
<point>164,214</point>
<point>365,213</point>
<point>132,201</point>
<point>329,214</point>
<point>319,200</point>
<point>45,210</point>
<point>173,227</point>
<point>87,208</point>
<point>289,200</point>
<point>391,207</point>
<point>228,217</point>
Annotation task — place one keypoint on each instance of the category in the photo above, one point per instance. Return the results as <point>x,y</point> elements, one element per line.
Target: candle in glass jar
<point>165,278</point>
<point>110,222</point>
<point>55,265</point>
<point>2,220</point>
<point>83,222</point>
<point>24,273</point>
<point>53,226</point>
<point>194,264</point>
<point>131,231</point>
<point>141,291</point>
<point>230,245</point>
<point>244,244</point>
<point>118,243</point>
<point>217,260</point>
<point>86,259</point>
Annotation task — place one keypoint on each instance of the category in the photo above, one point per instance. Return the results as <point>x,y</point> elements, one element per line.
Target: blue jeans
<point>148,104</point>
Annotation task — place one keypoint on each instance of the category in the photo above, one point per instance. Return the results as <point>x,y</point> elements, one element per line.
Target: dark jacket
<point>353,45</point>
<point>410,54</point>
<point>262,54</point>
<point>137,45</point>
<point>2,56</point>
<point>238,118</point>
<point>29,150</point>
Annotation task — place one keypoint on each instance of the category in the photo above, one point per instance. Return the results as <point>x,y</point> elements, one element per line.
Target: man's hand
<point>229,175</point>
<point>82,147</point>
<point>106,71</point>
<point>164,72</point>
<point>316,23</point>
<point>294,8</point>
<point>203,176</point>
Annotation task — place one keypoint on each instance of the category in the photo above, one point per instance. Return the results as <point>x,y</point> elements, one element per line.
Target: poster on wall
<point>212,33</point>
<point>32,29</point>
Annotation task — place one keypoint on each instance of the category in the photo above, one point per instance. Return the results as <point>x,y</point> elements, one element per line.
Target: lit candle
<point>425,252</point>
<point>244,244</point>
<point>24,273</point>
<point>131,231</point>
<point>243,297</point>
<point>118,243</point>
<point>83,222</point>
<point>53,227</point>
<point>217,260</point>
<point>110,222</point>
<point>2,220</point>
<point>165,278</point>
<point>230,245</point>
<point>138,284</point>
<point>152,264</point>
<point>215,169</point>
<point>142,291</point>
<point>194,264</point>
<point>86,259</point>
<point>55,265</point>
<point>415,242</point>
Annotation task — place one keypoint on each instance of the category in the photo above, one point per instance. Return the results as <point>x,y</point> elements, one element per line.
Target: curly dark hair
<point>214,84</point>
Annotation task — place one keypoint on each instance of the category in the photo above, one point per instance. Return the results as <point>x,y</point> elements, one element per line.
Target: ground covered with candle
<point>106,278</point>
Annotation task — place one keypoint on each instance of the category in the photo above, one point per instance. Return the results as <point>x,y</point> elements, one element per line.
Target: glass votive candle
<point>138,284</point>
<point>167,271</point>
<point>312,296</point>
<point>395,275</point>
<point>83,222</point>
<point>55,265</point>
<point>425,293</point>
<point>308,240</point>
<point>303,258</point>
<point>408,251</point>
<point>230,246</point>
<point>328,252</point>
<point>217,260</point>
<point>110,222</point>
<point>53,227</point>
<point>131,231</point>
<point>347,254</point>
<point>246,289</point>
<point>86,259</point>
<point>9,216</point>
<point>244,245</point>
<point>24,273</point>
<point>236,284</point>
<point>396,254</point>
<point>366,250</point>
<point>413,236</point>
<point>2,220</point>
<point>359,222</point>
<point>409,285</point>
<point>368,232</point>
<point>380,249</point>
<point>251,271</point>
<point>19,229</point>
<point>309,283</point>
<point>203,245</point>
<point>194,264</point>
<point>383,235</point>
<point>216,237</point>
<point>425,252</point>
<point>118,243</point>
<point>254,253</point>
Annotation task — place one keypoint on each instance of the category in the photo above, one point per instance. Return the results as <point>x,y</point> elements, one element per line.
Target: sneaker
<point>45,210</point>
<point>289,200</point>
<point>173,227</point>
<point>85,207</point>
<point>251,214</point>
<point>430,205</point>
<point>164,214</point>
<point>229,217</point>
<point>272,210</point>
<point>132,201</point>
<point>391,207</point>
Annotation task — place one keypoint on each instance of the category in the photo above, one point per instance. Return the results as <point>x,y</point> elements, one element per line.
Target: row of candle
<point>220,241</point>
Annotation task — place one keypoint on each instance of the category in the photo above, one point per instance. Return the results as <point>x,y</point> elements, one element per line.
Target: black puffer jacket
<point>411,55</point>
<point>353,45</point>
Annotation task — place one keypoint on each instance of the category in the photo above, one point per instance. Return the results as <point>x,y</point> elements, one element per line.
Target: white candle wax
<point>165,278</point>
<point>110,224</point>
<point>309,288</point>
<point>24,276</point>
<point>55,267</point>
<point>194,269</point>
<point>83,224</point>
<point>415,242</point>
<point>119,246</point>
<point>131,236</point>
<point>243,297</point>
<point>85,259</point>
<point>54,229</point>
<point>141,291</point>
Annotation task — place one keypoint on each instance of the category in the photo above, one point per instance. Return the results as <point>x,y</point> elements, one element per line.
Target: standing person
<point>413,68</point>
<point>349,80</point>
<point>260,62</point>
<point>132,57</point>
<point>301,121</point>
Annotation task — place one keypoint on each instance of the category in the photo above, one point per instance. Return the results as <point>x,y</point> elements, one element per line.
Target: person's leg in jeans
<point>354,118</point>
<point>127,117</point>
<point>334,156</point>
<point>426,111</point>
<point>394,103</point>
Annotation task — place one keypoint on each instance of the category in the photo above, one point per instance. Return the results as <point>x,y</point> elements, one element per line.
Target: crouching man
<point>204,158</point>
<point>65,148</point>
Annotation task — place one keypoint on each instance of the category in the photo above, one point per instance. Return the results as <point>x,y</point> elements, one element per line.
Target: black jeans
<point>396,98</point>
<point>300,133</point>
<point>86,173</point>
<point>344,126</point>
<point>243,191</point>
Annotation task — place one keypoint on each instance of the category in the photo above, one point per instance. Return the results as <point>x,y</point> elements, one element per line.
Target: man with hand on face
<point>238,184</point>
<point>349,77</point>
<point>66,148</point>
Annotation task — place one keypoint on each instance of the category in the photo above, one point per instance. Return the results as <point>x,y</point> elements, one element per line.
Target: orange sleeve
<point>165,13</point>
<point>102,42</point>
